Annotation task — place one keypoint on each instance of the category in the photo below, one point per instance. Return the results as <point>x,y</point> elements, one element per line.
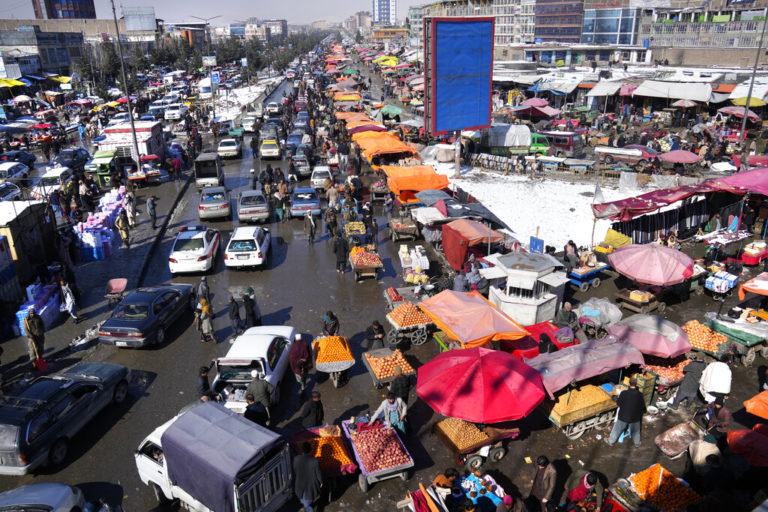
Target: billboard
<point>458,72</point>
<point>209,61</point>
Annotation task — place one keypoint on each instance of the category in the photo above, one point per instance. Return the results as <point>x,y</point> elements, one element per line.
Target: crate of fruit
<point>332,354</point>
<point>704,339</point>
<point>360,259</point>
<point>379,452</point>
<point>579,404</point>
<point>662,490</point>
<point>329,447</point>
<point>381,364</point>
<point>408,315</point>
<point>460,436</point>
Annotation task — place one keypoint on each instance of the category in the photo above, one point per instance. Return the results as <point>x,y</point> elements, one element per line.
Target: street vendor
<point>375,335</point>
<point>566,318</point>
<point>393,410</point>
<point>446,479</point>
<point>718,417</point>
<point>582,487</point>
<point>330,323</point>
<point>689,387</point>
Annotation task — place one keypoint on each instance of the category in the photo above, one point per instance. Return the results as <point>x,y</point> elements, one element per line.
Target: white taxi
<point>248,247</point>
<point>194,250</point>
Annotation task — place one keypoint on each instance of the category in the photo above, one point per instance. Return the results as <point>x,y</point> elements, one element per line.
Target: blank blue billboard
<point>458,72</point>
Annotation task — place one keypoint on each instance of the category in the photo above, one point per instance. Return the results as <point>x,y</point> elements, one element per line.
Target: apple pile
<point>366,259</point>
<point>384,367</point>
<point>379,448</point>
<point>393,295</point>
<point>702,337</point>
<point>667,369</point>
<point>407,314</point>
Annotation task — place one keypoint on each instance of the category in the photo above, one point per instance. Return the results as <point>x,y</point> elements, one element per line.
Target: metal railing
<point>731,34</point>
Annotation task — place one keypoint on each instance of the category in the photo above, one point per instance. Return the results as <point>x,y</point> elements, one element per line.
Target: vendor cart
<point>334,357</point>
<point>674,442</point>
<point>598,414</point>
<point>367,477</point>
<point>356,232</point>
<point>629,299</point>
<point>485,442</point>
<point>586,277</point>
<point>365,265</point>
<point>379,379</point>
<point>721,285</point>
<point>379,190</point>
<point>329,447</point>
<point>416,333</point>
<point>402,228</point>
<point>396,296</point>
<point>747,340</point>
<point>754,253</point>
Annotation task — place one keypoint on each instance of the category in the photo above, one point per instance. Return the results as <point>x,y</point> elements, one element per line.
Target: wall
<point>727,57</point>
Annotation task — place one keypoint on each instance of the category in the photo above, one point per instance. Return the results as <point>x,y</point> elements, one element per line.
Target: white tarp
<point>605,88</point>
<point>675,90</point>
<point>562,85</point>
<point>509,135</point>
<point>759,91</point>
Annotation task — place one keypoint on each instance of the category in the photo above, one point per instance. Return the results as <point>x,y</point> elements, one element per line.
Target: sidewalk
<point>93,276</point>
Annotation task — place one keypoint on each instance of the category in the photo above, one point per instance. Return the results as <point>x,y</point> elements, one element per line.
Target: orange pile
<point>384,367</point>
<point>663,490</point>
<point>407,314</point>
<point>332,350</point>
<point>330,452</point>
<point>702,337</point>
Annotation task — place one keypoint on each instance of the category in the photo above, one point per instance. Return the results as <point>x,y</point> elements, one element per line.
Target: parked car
<point>74,158</point>
<point>273,108</point>
<point>142,317</point>
<point>194,249</point>
<point>300,123</point>
<point>43,497</point>
<point>13,172</point>
<point>24,157</point>
<point>264,349</point>
<point>39,421</point>
<point>270,149</point>
<point>293,141</point>
<point>229,148</point>
<point>248,247</point>
<point>632,154</point>
<point>10,192</point>
<point>51,180</point>
<point>175,111</point>
<point>303,200</point>
<point>319,175</point>
<point>214,203</point>
<point>252,206</point>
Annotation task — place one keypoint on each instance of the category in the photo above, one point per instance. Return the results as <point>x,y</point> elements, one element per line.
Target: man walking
<point>68,300</point>
<point>151,211</point>
<point>202,290</point>
<point>309,227</point>
<point>401,386</point>
<point>631,408</point>
<point>312,414</point>
<point>543,484</point>
<point>122,225</point>
<point>309,478</point>
<point>340,248</point>
<point>300,358</point>
<point>689,387</point>
<point>234,315</point>
<point>252,313</point>
<point>261,390</point>
<point>34,328</point>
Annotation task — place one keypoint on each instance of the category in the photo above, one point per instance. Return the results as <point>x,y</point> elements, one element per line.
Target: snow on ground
<point>241,97</point>
<point>559,210</point>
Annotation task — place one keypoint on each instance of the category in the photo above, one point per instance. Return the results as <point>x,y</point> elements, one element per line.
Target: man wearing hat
<point>509,504</point>
<point>312,415</point>
<point>34,328</point>
<point>261,390</point>
<point>203,292</point>
<point>719,418</point>
<point>152,211</point>
<point>203,386</point>
<point>631,409</point>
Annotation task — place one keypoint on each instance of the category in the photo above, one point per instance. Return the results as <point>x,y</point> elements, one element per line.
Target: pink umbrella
<point>680,156</point>
<point>739,112</point>
<point>684,103</point>
<point>535,102</point>
<point>652,264</point>
<point>652,335</point>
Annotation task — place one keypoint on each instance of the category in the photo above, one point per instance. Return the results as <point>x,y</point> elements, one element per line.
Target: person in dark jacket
<point>300,358</point>
<point>542,485</point>
<point>309,478</point>
<point>203,292</point>
<point>252,313</point>
<point>689,387</point>
<point>312,414</point>
<point>234,315</point>
<point>401,386</point>
<point>583,485</point>
<point>375,335</point>
<point>203,386</point>
<point>330,323</point>
<point>340,248</point>
<point>152,211</point>
<point>631,409</point>
<point>719,418</point>
<point>255,411</point>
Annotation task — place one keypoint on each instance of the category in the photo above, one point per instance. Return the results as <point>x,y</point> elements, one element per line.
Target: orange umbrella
<point>758,405</point>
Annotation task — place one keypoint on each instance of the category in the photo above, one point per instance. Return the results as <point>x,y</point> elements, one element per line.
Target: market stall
<point>472,444</point>
<point>333,356</point>
<point>365,262</point>
<point>378,450</point>
<point>462,234</point>
<point>328,447</point>
<point>381,364</point>
<point>408,322</point>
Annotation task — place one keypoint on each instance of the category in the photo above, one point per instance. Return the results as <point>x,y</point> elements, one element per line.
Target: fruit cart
<point>402,228</point>
<point>472,445</point>
<point>747,339</point>
<point>577,410</point>
<point>705,340</point>
<point>396,296</point>
<point>381,364</point>
<point>408,322</point>
<point>585,277</point>
<point>661,490</point>
<point>334,357</point>
<point>639,301</point>
<point>669,373</point>
<point>379,190</point>
<point>379,452</point>
<point>674,442</point>
<point>329,447</point>
<point>365,263</point>
<point>356,233</point>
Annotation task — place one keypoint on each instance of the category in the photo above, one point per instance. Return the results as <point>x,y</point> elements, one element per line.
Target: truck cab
<point>208,170</point>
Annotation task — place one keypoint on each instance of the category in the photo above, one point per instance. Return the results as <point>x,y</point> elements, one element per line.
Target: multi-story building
<point>385,12</point>
<point>63,9</point>
<point>237,29</point>
<point>559,21</point>
<point>260,32</point>
<point>56,50</point>
<point>415,24</point>
<point>277,28</point>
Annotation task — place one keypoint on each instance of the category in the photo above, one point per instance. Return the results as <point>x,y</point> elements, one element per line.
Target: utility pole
<point>125,89</point>
<point>752,82</point>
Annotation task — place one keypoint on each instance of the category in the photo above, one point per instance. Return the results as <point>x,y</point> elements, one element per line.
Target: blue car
<point>304,199</point>
<point>300,123</point>
<point>292,142</point>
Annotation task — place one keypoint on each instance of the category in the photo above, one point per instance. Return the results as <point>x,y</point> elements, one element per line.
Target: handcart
<point>721,285</point>
<point>669,373</point>
<point>365,263</point>
<point>396,296</point>
<point>483,442</point>
<point>385,375</point>
<point>596,315</point>
<point>356,232</point>
<point>334,357</point>
<point>367,477</point>
<point>402,228</point>
<point>379,191</point>
<point>628,299</point>
<point>329,447</point>
<point>597,414</point>
<point>747,340</point>
<point>586,277</point>
<point>674,442</point>
<point>115,290</point>
<point>417,333</point>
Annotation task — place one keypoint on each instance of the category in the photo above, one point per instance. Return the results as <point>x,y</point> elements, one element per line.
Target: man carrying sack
<point>34,328</point>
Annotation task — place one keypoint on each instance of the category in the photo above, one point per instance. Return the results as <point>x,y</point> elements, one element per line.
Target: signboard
<point>215,77</point>
<point>209,61</point>
<point>458,71</point>
<point>244,62</point>
<point>537,245</point>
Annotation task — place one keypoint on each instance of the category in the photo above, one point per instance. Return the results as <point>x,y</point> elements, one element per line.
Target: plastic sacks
<point>600,311</point>
<point>715,379</point>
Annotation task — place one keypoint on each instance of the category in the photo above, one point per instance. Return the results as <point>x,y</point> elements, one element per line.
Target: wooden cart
<point>473,456</point>
<point>362,270</point>
<point>377,381</point>
<point>417,334</point>
<point>403,228</point>
<point>367,477</point>
<point>587,277</point>
<point>407,294</point>
<point>575,423</point>
<point>627,302</point>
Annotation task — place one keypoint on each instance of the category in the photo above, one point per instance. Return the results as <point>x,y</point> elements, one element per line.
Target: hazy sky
<point>295,11</point>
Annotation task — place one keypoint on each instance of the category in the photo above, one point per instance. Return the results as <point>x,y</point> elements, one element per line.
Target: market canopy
<point>758,405</point>
<point>652,263</point>
<point>382,145</point>
<point>583,361</point>
<point>675,90</point>
<point>461,234</point>
<point>652,335</point>
<point>758,284</point>
<point>605,88</point>
<point>739,112</point>
<point>351,117</point>
<point>398,171</point>
<point>10,82</point>
<point>470,319</point>
<point>417,183</point>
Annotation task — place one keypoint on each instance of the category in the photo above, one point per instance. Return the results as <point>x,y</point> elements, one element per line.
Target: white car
<point>10,192</point>
<point>175,111</point>
<point>319,175</point>
<point>13,172</point>
<point>229,148</point>
<point>273,108</point>
<point>51,180</point>
<point>51,497</point>
<point>194,250</point>
<point>248,247</point>
<point>264,349</point>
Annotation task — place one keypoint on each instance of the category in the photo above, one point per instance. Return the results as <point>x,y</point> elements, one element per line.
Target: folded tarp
<point>399,171</point>
<point>652,335</point>
<point>675,90</point>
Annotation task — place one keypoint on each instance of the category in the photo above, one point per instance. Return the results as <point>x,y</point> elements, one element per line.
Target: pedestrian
<point>582,487</point>
<point>176,166</point>
<point>203,386</point>
<point>631,408</point>
<point>130,208</point>
<point>689,386</point>
<point>543,485</point>
<point>460,283</point>
<point>286,204</point>
<point>312,414</point>
<point>261,390</point>
<point>279,206</point>
<point>309,478</point>
<point>374,232</point>
<point>300,359</point>
<point>330,323</point>
<point>202,290</point>
<point>340,248</point>
<point>330,221</point>
<point>310,226</point>
<point>252,313</point>
<point>401,386</point>
<point>204,318</point>
<point>392,411</point>
<point>34,328</point>
<point>68,301</point>
<point>122,226</point>
<point>234,315</point>
<point>375,335</point>
<point>389,205</point>
<point>152,211</point>
<point>255,412</point>
<point>254,146</point>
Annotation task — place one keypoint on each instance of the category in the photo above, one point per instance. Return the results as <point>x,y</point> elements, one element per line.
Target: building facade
<point>558,21</point>
<point>385,12</point>
<point>55,50</point>
<point>63,9</point>
<point>260,32</point>
<point>414,22</point>
<point>277,28</point>
<point>513,19</point>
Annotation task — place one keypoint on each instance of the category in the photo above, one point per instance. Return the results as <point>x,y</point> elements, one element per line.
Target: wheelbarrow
<point>115,290</point>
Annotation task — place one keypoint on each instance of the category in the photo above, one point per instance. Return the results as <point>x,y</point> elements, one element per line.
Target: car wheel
<point>58,453</point>
<point>121,393</point>
<point>160,336</point>
<point>159,494</point>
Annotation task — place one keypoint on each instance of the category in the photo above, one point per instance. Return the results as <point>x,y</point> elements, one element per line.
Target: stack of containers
<point>10,289</point>
<point>96,234</point>
<point>47,302</point>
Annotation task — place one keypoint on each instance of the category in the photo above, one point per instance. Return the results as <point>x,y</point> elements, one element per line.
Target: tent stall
<point>461,234</point>
<point>406,181</point>
<point>470,319</point>
<point>652,335</point>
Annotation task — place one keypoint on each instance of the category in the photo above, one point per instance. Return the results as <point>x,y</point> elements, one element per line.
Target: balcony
<point>728,34</point>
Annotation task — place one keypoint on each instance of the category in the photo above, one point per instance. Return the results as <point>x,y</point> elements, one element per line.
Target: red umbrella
<point>480,385</point>
<point>680,156</point>
<point>535,102</point>
<point>739,112</point>
<point>42,126</point>
<point>652,264</point>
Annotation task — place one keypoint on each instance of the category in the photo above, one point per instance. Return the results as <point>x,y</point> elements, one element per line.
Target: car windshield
<point>269,145</point>
<point>305,196</point>
<point>188,244</point>
<point>8,435</point>
<point>252,200</point>
<point>240,371</point>
<point>50,181</point>
<point>322,175</point>
<point>3,173</point>
<point>131,311</point>
<point>228,144</point>
<point>65,157</point>
<point>213,196</point>
<point>242,246</point>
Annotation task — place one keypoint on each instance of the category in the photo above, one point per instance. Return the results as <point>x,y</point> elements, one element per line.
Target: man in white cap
<point>261,390</point>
